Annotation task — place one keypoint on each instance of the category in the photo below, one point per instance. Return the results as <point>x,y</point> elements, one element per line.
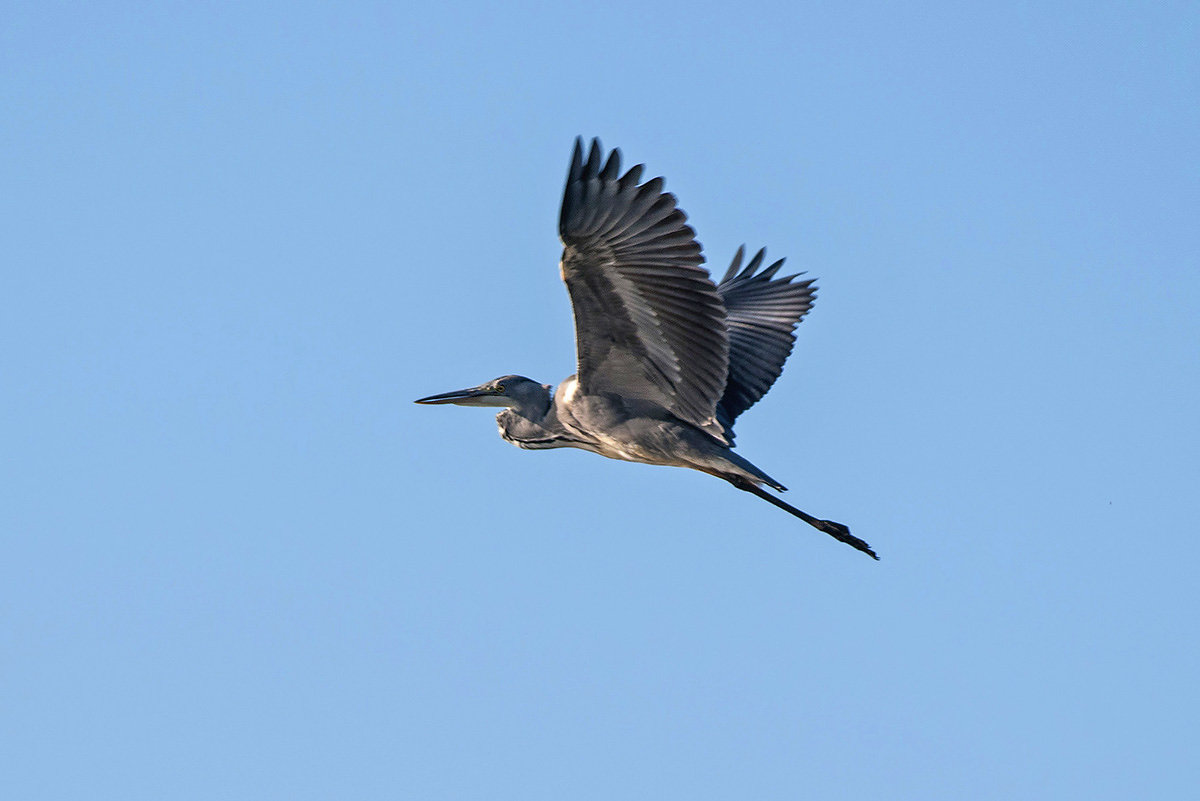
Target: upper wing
<point>649,322</point>
<point>762,313</point>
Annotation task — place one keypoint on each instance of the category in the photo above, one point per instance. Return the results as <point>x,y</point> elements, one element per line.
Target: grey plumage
<point>666,360</point>
<point>648,321</point>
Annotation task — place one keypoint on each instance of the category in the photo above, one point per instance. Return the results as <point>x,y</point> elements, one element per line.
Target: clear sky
<point>239,563</point>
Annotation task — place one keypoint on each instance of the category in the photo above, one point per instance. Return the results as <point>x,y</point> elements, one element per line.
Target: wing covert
<point>649,322</point>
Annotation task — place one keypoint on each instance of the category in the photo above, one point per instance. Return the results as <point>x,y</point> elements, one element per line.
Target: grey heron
<point>666,359</point>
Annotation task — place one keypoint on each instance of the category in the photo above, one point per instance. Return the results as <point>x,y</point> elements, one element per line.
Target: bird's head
<point>513,391</point>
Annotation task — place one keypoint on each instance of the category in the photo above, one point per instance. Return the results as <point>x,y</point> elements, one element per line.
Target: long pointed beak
<point>460,396</point>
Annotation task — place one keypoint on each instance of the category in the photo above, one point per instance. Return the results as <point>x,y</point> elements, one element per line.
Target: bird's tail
<point>751,471</point>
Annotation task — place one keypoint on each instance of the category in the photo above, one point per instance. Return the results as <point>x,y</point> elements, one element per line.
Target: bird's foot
<point>842,533</point>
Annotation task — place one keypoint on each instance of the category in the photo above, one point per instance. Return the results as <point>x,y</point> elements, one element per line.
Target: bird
<point>666,359</point>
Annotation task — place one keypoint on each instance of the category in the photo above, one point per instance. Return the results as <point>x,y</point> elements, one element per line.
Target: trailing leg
<point>836,530</point>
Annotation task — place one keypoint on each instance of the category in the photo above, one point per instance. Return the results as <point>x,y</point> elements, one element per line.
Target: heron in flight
<point>666,359</point>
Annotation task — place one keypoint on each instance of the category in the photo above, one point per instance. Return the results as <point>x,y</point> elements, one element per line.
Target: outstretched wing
<point>762,313</point>
<point>649,323</point>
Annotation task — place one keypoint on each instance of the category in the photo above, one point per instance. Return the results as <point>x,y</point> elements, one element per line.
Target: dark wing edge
<point>649,322</point>
<point>762,313</point>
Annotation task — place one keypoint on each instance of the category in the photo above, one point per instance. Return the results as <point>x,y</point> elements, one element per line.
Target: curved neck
<point>533,423</point>
<point>533,404</point>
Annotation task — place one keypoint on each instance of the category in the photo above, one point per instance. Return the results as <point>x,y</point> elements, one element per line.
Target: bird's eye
<point>498,388</point>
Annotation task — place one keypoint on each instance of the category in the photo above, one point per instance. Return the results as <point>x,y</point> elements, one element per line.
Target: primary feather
<point>762,313</point>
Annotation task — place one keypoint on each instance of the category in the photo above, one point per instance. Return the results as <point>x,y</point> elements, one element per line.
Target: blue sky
<point>239,239</point>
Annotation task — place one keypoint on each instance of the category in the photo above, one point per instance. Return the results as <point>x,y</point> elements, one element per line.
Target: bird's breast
<point>610,425</point>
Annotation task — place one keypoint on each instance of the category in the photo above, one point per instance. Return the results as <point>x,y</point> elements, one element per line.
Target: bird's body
<point>628,429</point>
<point>667,359</point>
